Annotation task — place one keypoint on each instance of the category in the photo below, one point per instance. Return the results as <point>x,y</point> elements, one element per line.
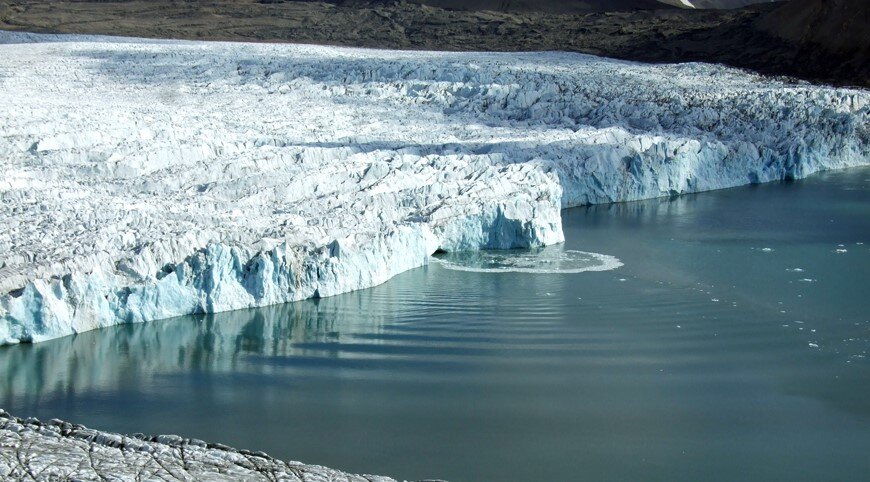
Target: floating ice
<point>552,259</point>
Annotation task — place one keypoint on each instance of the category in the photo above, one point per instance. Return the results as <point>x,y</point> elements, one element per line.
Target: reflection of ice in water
<point>552,259</point>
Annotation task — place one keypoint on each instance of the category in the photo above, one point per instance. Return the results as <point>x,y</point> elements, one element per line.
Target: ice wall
<point>145,180</point>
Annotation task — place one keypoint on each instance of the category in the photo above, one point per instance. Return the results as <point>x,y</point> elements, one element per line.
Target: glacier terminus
<point>148,179</point>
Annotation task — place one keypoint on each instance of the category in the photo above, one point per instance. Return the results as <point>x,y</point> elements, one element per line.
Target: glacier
<point>149,179</point>
<point>57,450</point>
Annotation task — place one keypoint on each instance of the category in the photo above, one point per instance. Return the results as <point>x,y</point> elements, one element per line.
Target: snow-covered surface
<point>58,450</point>
<point>150,179</point>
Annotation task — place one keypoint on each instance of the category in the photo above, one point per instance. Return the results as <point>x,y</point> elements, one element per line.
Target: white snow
<point>149,179</point>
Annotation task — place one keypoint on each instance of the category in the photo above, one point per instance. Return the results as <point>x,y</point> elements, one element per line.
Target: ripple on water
<point>552,259</point>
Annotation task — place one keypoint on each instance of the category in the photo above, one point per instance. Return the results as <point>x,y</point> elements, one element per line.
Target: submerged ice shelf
<point>149,179</point>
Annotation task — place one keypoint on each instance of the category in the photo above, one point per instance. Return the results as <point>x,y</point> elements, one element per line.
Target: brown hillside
<point>841,26</point>
<point>835,32</point>
<point>545,6</point>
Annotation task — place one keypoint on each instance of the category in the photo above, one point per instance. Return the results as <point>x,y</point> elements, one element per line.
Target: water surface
<point>731,345</point>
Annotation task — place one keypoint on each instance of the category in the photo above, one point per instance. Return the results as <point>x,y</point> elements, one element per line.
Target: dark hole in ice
<point>168,269</point>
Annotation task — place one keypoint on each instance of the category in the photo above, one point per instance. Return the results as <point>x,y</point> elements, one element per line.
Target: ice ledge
<point>221,277</point>
<point>58,450</point>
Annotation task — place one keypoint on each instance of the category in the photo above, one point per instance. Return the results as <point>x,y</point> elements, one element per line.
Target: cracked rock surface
<point>149,179</point>
<point>58,450</point>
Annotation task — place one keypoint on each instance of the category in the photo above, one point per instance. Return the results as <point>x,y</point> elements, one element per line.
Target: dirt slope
<point>546,6</point>
<point>825,32</point>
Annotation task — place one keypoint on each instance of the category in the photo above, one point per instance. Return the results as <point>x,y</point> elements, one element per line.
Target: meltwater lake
<point>731,344</point>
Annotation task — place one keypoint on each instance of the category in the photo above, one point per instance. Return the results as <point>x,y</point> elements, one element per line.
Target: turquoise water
<point>731,345</point>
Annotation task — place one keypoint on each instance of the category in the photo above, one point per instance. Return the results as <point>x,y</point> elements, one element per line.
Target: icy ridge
<point>145,180</point>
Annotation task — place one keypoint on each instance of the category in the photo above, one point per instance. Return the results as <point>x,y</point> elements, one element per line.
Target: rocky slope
<point>715,3</point>
<point>146,180</point>
<point>838,27</point>
<point>548,6</point>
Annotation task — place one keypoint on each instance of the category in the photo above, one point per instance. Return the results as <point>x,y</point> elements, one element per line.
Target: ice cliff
<point>150,179</point>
